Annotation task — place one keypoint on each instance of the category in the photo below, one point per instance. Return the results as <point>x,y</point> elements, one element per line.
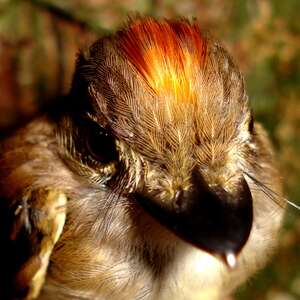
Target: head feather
<point>167,91</point>
<point>166,53</point>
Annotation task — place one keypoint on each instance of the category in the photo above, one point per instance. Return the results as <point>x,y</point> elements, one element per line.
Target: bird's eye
<point>100,144</point>
<point>251,124</point>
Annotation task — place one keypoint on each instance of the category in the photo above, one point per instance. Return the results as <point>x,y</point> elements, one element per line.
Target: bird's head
<point>159,114</point>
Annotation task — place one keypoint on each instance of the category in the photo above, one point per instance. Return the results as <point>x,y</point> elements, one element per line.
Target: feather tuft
<point>166,53</point>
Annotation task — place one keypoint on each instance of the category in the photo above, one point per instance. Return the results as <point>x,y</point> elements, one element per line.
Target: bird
<point>149,180</point>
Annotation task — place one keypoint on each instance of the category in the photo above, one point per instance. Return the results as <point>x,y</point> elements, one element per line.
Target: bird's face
<point>161,118</point>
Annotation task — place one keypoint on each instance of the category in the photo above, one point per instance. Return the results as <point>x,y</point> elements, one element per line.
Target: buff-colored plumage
<point>157,114</point>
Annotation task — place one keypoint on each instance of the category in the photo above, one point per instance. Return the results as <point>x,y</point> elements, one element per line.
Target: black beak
<point>211,219</point>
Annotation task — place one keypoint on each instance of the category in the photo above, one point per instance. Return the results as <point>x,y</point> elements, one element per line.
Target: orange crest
<point>168,54</point>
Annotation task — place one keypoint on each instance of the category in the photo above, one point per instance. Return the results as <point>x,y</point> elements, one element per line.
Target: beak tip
<point>230,260</point>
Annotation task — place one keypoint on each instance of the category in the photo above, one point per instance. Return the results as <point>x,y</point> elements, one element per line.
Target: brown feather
<point>160,132</point>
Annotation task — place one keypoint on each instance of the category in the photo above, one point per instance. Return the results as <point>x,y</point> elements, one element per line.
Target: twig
<point>69,16</point>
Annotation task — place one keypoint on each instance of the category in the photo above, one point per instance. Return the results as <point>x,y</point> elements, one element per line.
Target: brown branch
<point>69,16</point>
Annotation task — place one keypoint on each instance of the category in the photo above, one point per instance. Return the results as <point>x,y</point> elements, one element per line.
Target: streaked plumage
<point>156,154</point>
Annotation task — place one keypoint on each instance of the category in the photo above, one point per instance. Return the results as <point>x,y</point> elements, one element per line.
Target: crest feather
<point>166,53</point>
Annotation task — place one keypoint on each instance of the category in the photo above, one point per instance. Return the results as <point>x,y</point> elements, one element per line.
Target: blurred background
<point>39,40</point>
